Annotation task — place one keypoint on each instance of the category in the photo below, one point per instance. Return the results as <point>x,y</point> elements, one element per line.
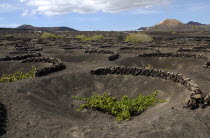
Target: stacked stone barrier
<point>136,48</point>
<point>97,51</point>
<point>207,65</point>
<point>23,44</point>
<point>21,57</point>
<point>29,49</point>
<point>105,46</point>
<point>182,55</point>
<point>114,54</point>
<point>75,47</point>
<point>3,118</point>
<point>196,99</point>
<point>113,57</point>
<point>23,47</point>
<point>22,52</point>
<point>200,47</point>
<point>192,50</point>
<point>57,65</point>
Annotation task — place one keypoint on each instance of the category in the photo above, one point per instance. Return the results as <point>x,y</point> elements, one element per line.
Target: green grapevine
<point>18,76</point>
<point>123,109</point>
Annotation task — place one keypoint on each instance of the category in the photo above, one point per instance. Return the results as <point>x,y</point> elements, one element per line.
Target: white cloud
<point>5,8</point>
<point>25,13</point>
<point>4,5</point>
<point>56,7</point>
<point>145,11</point>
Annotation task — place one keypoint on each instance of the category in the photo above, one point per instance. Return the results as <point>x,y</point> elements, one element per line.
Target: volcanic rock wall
<point>3,118</point>
<point>29,49</point>
<point>91,51</point>
<point>114,54</point>
<point>196,99</point>
<point>207,65</point>
<point>182,55</point>
<point>57,65</point>
<point>192,50</point>
<point>74,47</point>
<point>21,57</point>
<point>113,57</point>
<point>22,52</point>
<point>136,48</point>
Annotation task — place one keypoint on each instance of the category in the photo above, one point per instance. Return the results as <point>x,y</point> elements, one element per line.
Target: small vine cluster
<point>123,109</point>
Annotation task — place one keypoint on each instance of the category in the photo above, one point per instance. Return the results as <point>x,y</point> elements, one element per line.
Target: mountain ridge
<point>195,23</point>
<point>176,25</point>
<point>30,27</point>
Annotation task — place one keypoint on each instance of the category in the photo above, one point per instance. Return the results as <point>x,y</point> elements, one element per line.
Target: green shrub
<point>87,45</point>
<point>18,76</point>
<point>138,37</point>
<point>83,38</point>
<point>97,37</point>
<point>8,36</point>
<point>46,35</point>
<point>149,66</point>
<point>93,38</point>
<point>59,36</point>
<point>174,32</point>
<point>124,108</point>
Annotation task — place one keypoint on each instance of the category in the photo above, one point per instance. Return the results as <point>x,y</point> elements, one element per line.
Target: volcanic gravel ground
<point>42,106</point>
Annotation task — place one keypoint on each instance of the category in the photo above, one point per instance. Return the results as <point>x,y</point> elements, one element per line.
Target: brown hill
<point>170,22</point>
<point>175,25</point>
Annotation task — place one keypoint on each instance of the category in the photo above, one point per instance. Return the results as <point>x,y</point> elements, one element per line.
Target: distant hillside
<point>30,27</point>
<point>175,25</point>
<point>25,27</point>
<point>195,23</point>
<point>142,29</point>
<point>170,23</point>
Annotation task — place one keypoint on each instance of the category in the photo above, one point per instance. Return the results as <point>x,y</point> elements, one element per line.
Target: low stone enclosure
<point>105,46</point>
<point>57,65</point>
<point>91,51</point>
<point>197,49</point>
<point>74,47</point>
<point>22,52</point>
<point>113,57</point>
<point>29,49</point>
<point>201,47</point>
<point>3,118</point>
<point>26,46</point>
<point>21,57</point>
<point>207,65</point>
<point>114,54</point>
<point>88,50</point>
<point>182,55</point>
<point>136,48</point>
<point>196,98</point>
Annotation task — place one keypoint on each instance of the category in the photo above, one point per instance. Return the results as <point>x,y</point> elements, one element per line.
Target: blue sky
<point>107,15</point>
